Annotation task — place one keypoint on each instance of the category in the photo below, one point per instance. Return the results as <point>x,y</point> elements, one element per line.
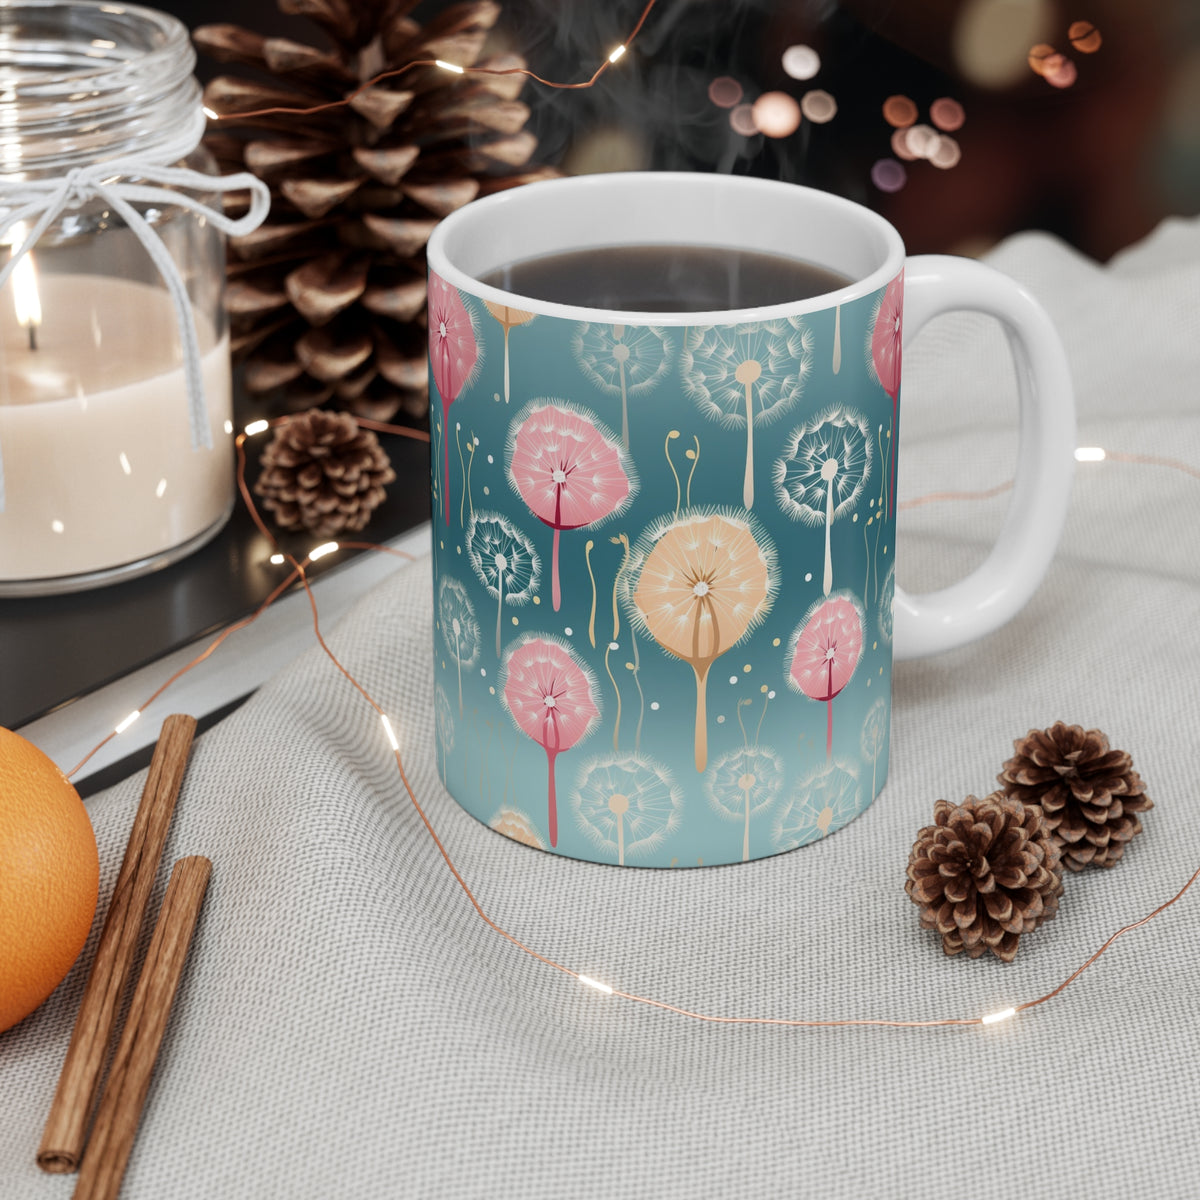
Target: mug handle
<point>1001,585</point>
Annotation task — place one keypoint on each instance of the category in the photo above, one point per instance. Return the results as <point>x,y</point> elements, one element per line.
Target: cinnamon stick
<point>66,1126</point>
<point>120,1108</point>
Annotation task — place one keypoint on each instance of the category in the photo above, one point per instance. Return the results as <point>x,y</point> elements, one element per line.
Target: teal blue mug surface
<point>664,581</point>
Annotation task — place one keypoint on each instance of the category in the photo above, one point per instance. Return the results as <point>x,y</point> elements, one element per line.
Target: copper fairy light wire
<point>614,56</point>
<point>299,572</point>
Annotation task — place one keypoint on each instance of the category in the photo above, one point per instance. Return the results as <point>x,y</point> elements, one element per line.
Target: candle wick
<point>32,327</point>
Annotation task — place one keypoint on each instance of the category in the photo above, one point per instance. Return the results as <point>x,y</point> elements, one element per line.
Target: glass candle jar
<point>115,437</point>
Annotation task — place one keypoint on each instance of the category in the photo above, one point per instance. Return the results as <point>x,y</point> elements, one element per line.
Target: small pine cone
<point>1089,793</point>
<point>985,872</point>
<point>322,473</point>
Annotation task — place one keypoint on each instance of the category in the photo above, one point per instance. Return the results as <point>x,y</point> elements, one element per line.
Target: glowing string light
<point>1002,1015</point>
<point>299,573</point>
<point>391,733</point>
<point>588,981</point>
<point>276,560</point>
<point>259,426</point>
<point>449,66</point>
<point>1090,454</point>
<point>208,112</point>
<point>612,58</point>
<point>320,551</point>
<point>129,720</point>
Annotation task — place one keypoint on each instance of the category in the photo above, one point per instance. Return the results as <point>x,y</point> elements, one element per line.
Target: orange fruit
<point>49,877</point>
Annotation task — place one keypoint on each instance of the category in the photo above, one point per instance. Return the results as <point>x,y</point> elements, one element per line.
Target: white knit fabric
<point>348,1027</point>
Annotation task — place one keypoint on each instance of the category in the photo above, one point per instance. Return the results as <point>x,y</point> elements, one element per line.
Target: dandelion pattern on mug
<point>667,608</point>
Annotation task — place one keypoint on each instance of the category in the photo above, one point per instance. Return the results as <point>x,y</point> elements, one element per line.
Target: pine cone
<point>322,473</point>
<point>327,298</point>
<point>1090,794</point>
<point>985,872</point>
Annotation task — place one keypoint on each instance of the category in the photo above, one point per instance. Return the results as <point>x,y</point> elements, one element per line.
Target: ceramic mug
<point>663,543</point>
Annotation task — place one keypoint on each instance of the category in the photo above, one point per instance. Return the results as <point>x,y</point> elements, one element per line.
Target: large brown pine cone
<point>327,297</point>
<point>1089,793</point>
<point>322,473</point>
<point>984,873</point>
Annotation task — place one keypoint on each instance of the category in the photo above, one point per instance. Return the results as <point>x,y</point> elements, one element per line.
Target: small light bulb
<point>320,551</point>
<point>1090,454</point>
<point>1002,1015</point>
<point>449,66</point>
<point>391,733</point>
<point>617,52</point>
<point>276,559</point>
<point>595,983</point>
<point>208,112</point>
<point>259,426</point>
<point>129,720</point>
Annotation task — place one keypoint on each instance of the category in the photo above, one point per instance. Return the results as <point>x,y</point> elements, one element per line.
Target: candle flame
<point>26,299</point>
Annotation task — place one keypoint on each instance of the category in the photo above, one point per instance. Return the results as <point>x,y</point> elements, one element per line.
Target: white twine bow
<point>44,200</point>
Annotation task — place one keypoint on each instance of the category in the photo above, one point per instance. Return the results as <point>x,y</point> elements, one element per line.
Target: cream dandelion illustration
<point>460,629</point>
<point>697,584</point>
<point>822,472</point>
<point>823,652</point>
<point>504,560</point>
<point>624,360</point>
<point>887,604</point>
<point>742,784</point>
<point>551,696</point>
<point>824,801</point>
<point>747,375</point>
<point>569,470</point>
<point>875,736</point>
<point>516,825</point>
<point>626,804</point>
<point>453,358</point>
<point>509,319</point>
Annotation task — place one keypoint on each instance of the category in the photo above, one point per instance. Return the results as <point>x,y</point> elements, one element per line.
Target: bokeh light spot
<point>742,120</point>
<point>1038,55</point>
<point>946,153</point>
<point>776,114</point>
<point>899,111</point>
<point>818,106</point>
<point>888,175</point>
<point>801,62</point>
<point>921,140</point>
<point>1060,71</point>
<point>725,91</point>
<point>900,145</point>
<point>991,38</point>
<point>947,114</point>
<point>1085,37</point>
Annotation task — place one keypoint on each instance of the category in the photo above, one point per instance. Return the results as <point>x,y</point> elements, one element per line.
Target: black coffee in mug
<point>665,278</point>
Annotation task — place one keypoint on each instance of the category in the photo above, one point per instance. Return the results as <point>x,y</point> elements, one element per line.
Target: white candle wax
<point>94,433</point>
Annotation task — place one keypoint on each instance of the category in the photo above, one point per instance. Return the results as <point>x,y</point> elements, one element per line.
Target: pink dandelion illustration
<point>569,469</point>
<point>551,696</point>
<point>453,358</point>
<point>886,352</point>
<point>824,651</point>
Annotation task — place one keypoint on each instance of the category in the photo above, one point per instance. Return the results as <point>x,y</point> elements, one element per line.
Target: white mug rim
<point>509,202</point>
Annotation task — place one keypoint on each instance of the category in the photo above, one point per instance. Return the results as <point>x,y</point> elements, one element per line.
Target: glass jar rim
<point>86,80</point>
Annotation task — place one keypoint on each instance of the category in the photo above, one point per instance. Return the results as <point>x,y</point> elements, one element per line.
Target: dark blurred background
<point>1095,138</point>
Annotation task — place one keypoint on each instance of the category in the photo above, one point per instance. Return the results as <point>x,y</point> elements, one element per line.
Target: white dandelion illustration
<point>747,375</point>
<point>887,604</point>
<point>626,804</point>
<point>822,472</point>
<point>504,560</point>
<point>443,718</point>
<point>742,784</point>
<point>875,736</point>
<point>821,802</point>
<point>460,629</point>
<point>624,360</point>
